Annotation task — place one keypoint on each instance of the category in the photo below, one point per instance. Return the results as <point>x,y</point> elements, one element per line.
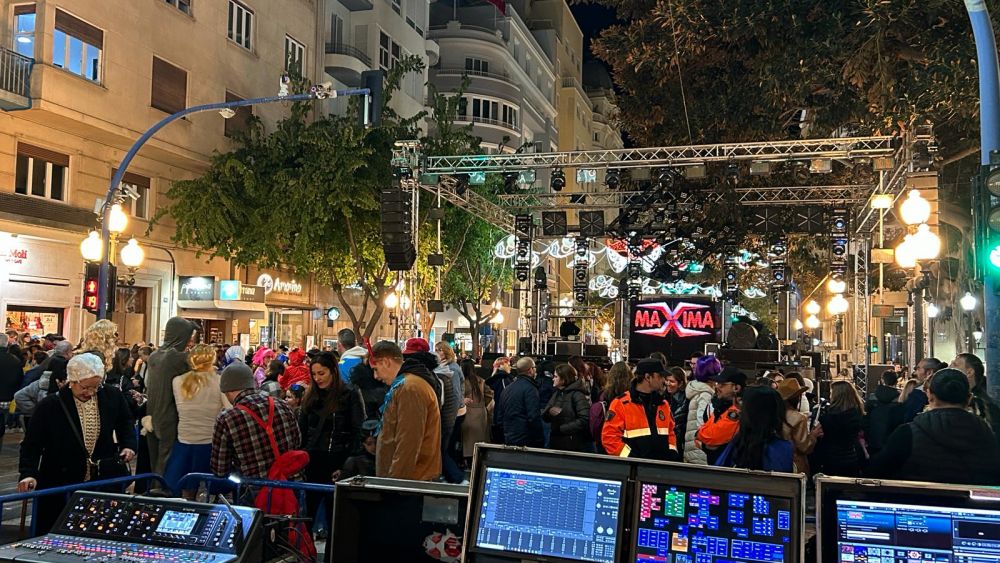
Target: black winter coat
<point>11,374</point>
<point>949,445</point>
<point>330,438</point>
<point>51,452</point>
<point>570,430</point>
<point>884,416</point>
<point>521,414</point>
<point>839,451</point>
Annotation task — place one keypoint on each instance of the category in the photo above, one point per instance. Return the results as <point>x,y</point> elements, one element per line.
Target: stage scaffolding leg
<point>862,314</point>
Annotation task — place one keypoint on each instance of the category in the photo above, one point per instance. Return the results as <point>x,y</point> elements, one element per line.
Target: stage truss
<point>892,158</point>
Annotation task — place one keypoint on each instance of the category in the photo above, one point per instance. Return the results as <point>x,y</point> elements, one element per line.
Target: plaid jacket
<point>241,445</point>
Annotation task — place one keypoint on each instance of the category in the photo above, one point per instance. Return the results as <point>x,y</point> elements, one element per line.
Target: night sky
<point>592,19</point>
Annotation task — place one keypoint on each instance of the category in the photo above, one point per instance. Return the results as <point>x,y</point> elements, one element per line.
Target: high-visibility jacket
<point>626,431</point>
<point>719,430</point>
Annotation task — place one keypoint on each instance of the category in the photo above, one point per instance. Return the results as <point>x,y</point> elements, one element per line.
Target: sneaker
<point>464,483</point>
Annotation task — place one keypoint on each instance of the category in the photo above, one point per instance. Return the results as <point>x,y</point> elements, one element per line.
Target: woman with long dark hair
<point>841,451</point>
<point>758,444</point>
<point>479,406</point>
<point>330,420</point>
<point>568,412</point>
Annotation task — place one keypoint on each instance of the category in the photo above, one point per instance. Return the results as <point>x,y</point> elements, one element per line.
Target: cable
<point>680,71</point>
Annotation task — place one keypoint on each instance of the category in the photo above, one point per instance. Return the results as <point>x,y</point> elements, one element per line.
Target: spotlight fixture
<point>558,181</point>
<point>461,184</point>
<point>666,177</point>
<point>613,178</point>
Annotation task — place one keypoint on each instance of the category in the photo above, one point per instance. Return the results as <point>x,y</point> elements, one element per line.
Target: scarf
<point>385,403</point>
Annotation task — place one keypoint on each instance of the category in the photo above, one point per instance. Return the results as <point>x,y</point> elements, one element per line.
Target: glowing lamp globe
<point>391,300</point>
<point>907,253</point>
<point>915,209</point>
<point>92,248</point>
<point>812,307</point>
<point>932,311</point>
<point>836,285</point>
<point>968,301</point>
<point>837,305</point>
<point>926,243</point>
<point>498,318</point>
<point>798,324</point>
<point>117,219</point>
<point>404,302</point>
<point>812,321</point>
<point>133,254</point>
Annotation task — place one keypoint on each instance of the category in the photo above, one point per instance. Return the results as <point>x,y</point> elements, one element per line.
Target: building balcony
<point>457,71</point>
<point>346,63</point>
<point>357,5</point>
<point>15,80</point>
<point>487,121</point>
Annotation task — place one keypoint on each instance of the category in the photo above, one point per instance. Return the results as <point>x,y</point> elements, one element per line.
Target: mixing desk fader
<point>114,528</point>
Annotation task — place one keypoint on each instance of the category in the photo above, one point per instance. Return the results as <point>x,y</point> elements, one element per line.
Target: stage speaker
<point>788,312</point>
<point>435,306</point>
<point>595,350</point>
<point>524,346</point>
<point>397,227</point>
<point>554,224</point>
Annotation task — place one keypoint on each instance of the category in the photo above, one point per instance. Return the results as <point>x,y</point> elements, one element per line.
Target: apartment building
<point>80,81</point>
<point>361,35</point>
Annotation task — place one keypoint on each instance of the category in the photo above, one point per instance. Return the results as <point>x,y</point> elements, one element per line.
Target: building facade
<point>81,82</point>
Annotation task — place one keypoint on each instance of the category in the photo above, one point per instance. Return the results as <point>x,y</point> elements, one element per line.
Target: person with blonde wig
<point>102,337</point>
<point>199,402</point>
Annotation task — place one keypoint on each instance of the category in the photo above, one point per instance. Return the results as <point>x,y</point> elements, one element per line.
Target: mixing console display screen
<point>570,518</point>
<point>174,522</point>
<point>873,532</point>
<point>698,525</point>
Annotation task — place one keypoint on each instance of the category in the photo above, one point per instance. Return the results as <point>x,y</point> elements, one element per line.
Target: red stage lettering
<point>647,319</point>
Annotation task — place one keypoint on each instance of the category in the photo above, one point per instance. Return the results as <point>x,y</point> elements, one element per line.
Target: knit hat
<point>84,366</point>
<point>648,366</point>
<point>415,345</point>
<point>730,374</point>
<point>236,377</point>
<point>951,386</point>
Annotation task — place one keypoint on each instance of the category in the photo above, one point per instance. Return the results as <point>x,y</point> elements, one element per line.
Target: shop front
<point>290,306</point>
<point>40,286</point>
<point>226,311</point>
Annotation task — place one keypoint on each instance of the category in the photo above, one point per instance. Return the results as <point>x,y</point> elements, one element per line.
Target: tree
<point>304,196</point>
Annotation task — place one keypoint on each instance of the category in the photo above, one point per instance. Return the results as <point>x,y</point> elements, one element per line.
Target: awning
<point>256,310</point>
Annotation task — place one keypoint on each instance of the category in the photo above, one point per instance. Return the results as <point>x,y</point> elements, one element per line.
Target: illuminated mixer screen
<point>550,515</point>
<point>174,522</point>
<point>877,532</point>
<point>699,525</point>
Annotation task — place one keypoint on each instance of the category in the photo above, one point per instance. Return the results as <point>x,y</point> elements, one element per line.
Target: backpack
<point>598,414</point>
<point>282,501</point>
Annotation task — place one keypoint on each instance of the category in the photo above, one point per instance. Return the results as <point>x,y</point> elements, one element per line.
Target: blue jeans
<point>449,468</point>
<point>184,459</point>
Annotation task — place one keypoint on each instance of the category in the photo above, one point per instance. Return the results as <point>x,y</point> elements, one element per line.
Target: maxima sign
<point>678,327</point>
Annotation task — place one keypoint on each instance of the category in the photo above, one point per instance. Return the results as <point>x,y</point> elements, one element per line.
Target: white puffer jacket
<point>699,400</point>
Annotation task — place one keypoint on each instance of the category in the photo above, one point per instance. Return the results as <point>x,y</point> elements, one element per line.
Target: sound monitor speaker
<point>592,223</point>
<point>554,224</point>
<point>397,228</point>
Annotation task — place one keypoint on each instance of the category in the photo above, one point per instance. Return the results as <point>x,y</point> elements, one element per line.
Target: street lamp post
<point>932,313</point>
<point>116,179</point>
<point>920,245</point>
<point>968,303</point>
<point>392,303</point>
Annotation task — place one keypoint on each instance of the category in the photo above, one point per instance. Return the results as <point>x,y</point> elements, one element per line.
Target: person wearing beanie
<point>628,430</point>
<point>166,363</point>
<point>944,444</point>
<point>240,441</point>
<point>699,391</point>
<point>77,434</point>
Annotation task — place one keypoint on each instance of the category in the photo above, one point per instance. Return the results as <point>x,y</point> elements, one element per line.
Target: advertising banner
<point>675,326</point>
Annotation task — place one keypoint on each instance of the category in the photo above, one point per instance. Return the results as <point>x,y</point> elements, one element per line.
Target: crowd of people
<point>416,412</point>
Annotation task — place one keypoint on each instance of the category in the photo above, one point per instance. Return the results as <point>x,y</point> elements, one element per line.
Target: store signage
<point>197,288</point>
<point>676,327</point>
<point>235,290</point>
<point>278,285</point>
<point>17,255</point>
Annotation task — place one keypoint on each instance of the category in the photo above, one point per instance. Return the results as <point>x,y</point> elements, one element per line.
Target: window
<point>485,110</point>
<point>477,66</point>
<point>415,16</point>
<point>182,5</point>
<point>137,207</point>
<point>169,87</point>
<point>510,115</point>
<point>337,30</point>
<point>388,52</point>
<point>397,7</point>
<point>463,106</point>
<point>241,24</point>
<point>596,138</point>
<point>295,54</point>
<point>239,122</point>
<point>76,46</point>
<point>24,30</point>
<point>40,172</point>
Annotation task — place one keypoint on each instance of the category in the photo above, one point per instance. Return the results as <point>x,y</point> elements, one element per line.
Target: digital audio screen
<point>551,515</point>
<point>903,533</point>
<point>698,525</point>
<point>180,523</point>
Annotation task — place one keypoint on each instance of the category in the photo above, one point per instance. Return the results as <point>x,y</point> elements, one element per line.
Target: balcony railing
<point>457,71</point>
<point>349,50</point>
<point>15,80</point>
<point>487,121</point>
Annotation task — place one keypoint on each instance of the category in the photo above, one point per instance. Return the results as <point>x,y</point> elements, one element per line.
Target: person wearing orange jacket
<point>724,420</point>
<point>639,423</point>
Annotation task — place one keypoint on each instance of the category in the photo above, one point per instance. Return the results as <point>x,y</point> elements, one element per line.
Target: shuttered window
<point>77,46</point>
<point>169,92</point>
<point>239,122</point>
<point>41,172</point>
<point>24,29</point>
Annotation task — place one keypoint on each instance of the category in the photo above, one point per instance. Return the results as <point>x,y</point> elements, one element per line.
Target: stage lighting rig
<point>558,181</point>
<point>613,178</point>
